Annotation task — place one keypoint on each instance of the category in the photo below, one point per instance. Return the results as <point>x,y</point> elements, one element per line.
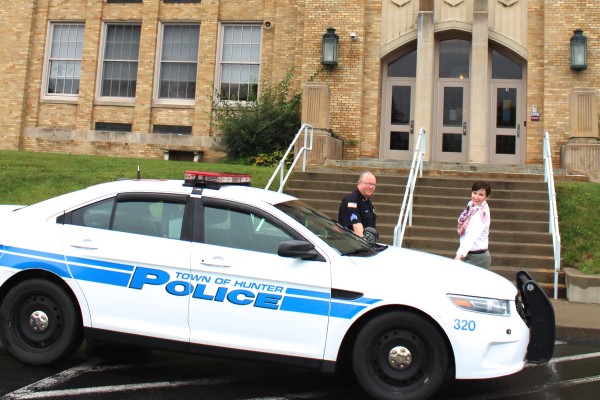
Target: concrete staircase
<point>519,237</point>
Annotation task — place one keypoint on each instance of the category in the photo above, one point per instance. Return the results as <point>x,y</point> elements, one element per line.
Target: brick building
<point>485,78</point>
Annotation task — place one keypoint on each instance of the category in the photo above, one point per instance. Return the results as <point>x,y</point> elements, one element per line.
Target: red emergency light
<point>215,179</point>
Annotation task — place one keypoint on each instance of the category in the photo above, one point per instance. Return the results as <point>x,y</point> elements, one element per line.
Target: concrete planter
<point>582,288</point>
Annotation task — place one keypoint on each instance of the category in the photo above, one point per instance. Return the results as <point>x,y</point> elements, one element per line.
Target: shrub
<point>263,126</point>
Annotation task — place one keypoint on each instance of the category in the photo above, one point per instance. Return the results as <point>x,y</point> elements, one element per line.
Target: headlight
<point>481,305</point>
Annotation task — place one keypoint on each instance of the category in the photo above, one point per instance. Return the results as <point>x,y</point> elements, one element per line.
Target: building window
<point>240,62</point>
<point>179,61</point>
<point>64,60</point>
<point>120,63</point>
<point>454,58</point>
<point>112,126</point>
<point>505,68</point>
<point>173,129</point>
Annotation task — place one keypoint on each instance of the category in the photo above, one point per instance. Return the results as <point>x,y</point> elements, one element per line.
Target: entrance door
<point>398,138</point>
<point>507,129</point>
<point>453,124</point>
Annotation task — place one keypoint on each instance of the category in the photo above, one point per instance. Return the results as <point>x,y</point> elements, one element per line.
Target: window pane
<point>451,143</point>
<point>505,68</point>
<point>64,64</point>
<point>400,105</point>
<point>405,66</point>
<point>506,108</point>
<point>96,215</point>
<point>121,56</point>
<point>238,229</point>
<point>240,61</point>
<point>454,59</point>
<point>179,61</point>
<point>506,144</point>
<point>399,141</point>
<point>453,106</point>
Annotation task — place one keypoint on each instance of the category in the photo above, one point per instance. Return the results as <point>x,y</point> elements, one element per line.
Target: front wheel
<point>39,323</point>
<point>400,355</point>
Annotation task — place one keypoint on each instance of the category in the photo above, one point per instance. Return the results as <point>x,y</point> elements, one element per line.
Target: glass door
<point>451,135</point>
<point>398,138</point>
<point>507,128</point>
<point>453,126</point>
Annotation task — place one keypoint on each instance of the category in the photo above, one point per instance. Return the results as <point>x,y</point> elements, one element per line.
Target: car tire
<point>39,322</point>
<point>400,355</point>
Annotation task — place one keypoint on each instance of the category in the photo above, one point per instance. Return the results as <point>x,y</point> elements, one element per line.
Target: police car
<point>210,265</point>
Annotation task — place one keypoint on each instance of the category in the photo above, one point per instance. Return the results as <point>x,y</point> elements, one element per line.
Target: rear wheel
<point>39,322</point>
<point>400,355</point>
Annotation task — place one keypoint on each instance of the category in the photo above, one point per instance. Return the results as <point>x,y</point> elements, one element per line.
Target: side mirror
<point>371,235</point>
<point>297,249</point>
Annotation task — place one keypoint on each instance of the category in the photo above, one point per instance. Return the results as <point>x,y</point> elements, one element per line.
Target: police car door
<point>246,296</point>
<point>124,252</point>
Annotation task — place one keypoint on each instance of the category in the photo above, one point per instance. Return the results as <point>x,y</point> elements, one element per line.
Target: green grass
<point>27,177</point>
<point>579,223</point>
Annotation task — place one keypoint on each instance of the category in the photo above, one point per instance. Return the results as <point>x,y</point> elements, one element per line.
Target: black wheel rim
<point>410,374</point>
<point>23,311</point>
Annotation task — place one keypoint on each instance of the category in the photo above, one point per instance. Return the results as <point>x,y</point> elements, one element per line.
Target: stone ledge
<point>582,288</point>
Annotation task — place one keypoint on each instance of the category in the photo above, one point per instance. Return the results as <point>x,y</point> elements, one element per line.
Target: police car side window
<point>95,215</point>
<point>241,229</point>
<point>151,217</point>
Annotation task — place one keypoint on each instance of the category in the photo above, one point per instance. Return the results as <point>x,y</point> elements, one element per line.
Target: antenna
<point>139,175</point>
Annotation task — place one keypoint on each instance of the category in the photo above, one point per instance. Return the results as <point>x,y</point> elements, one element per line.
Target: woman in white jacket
<point>474,228</point>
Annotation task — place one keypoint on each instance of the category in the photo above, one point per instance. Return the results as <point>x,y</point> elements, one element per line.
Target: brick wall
<point>560,19</point>
<point>294,39</point>
<point>15,27</point>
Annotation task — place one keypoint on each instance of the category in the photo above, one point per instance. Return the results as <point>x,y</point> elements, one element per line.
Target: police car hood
<point>397,272</point>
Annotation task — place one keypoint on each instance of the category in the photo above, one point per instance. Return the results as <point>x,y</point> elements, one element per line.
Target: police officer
<point>356,210</point>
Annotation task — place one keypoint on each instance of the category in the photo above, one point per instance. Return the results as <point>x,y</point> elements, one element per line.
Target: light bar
<point>215,179</point>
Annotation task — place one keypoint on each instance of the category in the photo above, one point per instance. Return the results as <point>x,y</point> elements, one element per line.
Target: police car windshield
<point>342,240</point>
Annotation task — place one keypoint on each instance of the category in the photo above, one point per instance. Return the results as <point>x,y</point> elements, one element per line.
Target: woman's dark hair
<point>478,185</point>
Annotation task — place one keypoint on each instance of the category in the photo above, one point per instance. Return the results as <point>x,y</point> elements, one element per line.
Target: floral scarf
<point>467,214</point>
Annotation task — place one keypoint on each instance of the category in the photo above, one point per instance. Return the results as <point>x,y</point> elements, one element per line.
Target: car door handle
<point>85,244</point>
<point>215,262</point>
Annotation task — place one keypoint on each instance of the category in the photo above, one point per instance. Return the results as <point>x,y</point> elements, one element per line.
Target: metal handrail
<point>416,167</point>
<point>553,219</point>
<point>308,143</point>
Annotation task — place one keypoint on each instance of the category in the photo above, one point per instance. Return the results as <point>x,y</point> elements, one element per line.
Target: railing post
<point>553,211</point>
<point>407,202</point>
<point>281,165</point>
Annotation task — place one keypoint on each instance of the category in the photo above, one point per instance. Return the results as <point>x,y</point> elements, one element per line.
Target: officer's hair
<point>360,178</point>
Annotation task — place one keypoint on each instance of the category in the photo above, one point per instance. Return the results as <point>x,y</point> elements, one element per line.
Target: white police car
<point>230,270</point>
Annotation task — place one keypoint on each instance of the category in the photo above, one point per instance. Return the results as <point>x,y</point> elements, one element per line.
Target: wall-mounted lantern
<point>578,50</point>
<point>330,48</point>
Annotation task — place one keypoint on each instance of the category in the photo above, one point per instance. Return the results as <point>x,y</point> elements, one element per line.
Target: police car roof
<point>226,191</point>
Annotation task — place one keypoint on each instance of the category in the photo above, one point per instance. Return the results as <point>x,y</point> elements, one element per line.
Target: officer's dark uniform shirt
<point>355,208</point>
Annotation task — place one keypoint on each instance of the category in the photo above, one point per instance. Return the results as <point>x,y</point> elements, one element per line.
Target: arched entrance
<point>450,137</point>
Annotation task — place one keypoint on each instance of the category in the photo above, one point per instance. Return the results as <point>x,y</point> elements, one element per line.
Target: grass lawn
<point>579,223</point>
<point>27,177</point>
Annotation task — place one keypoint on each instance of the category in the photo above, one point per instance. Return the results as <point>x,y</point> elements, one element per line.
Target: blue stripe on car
<point>109,273</point>
<point>100,275</point>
